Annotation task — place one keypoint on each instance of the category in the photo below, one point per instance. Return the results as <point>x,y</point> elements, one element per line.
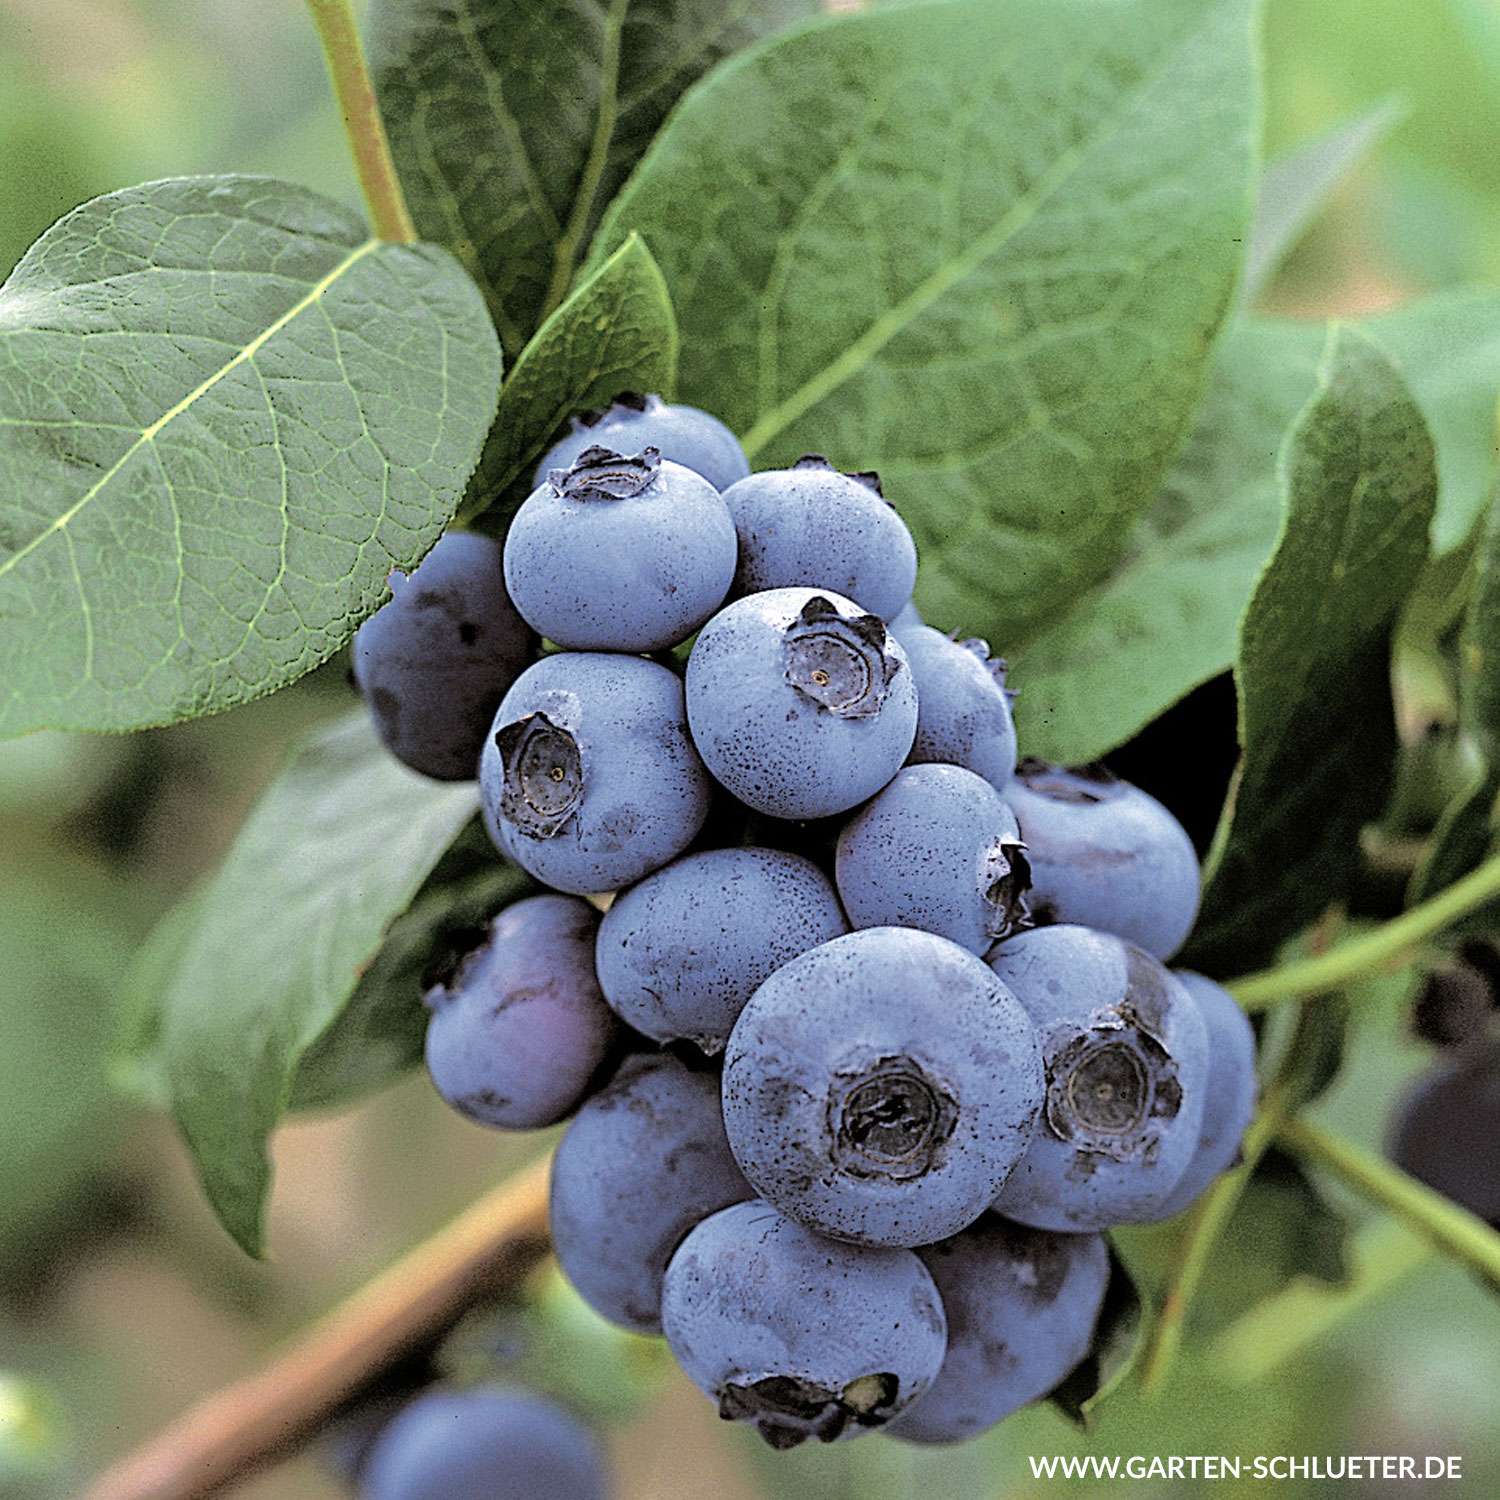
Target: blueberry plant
<point>704,375</point>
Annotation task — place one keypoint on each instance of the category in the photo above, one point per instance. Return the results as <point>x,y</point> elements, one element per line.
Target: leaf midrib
<point>150,433</point>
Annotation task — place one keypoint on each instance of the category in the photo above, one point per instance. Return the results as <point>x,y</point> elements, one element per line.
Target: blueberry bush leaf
<point>1313,670</point>
<point>225,414</point>
<point>1297,185</point>
<point>335,851</point>
<point>1167,616</point>
<point>513,124</point>
<point>983,249</point>
<point>615,333</point>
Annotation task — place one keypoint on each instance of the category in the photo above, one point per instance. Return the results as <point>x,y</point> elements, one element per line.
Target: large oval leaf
<point>982,248</point>
<point>225,414</point>
<point>514,123</point>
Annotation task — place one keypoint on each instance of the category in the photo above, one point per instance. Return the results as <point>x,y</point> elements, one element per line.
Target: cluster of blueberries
<point>875,1033</point>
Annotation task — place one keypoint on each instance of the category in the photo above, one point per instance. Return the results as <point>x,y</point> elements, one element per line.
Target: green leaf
<point>982,248</point>
<point>1119,1340</point>
<point>1316,723</point>
<point>514,124</point>
<point>1297,185</point>
<point>379,1032</point>
<point>335,851</point>
<point>225,414</point>
<point>1167,617</point>
<point>615,333</point>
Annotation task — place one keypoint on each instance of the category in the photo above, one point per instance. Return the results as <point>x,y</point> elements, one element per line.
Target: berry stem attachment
<point>350,75</point>
<point>267,1415</point>
<point>1375,950</point>
<point>1452,1230</point>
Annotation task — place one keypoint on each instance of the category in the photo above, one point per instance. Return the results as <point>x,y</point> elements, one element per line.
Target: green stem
<point>1451,1229</point>
<point>1278,1329</point>
<point>355,93</point>
<point>1362,955</point>
<point>1204,1227</point>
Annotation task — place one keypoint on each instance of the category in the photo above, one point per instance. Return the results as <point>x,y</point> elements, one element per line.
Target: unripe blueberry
<point>632,423</point>
<point>800,704</point>
<point>589,779</point>
<point>620,553</point>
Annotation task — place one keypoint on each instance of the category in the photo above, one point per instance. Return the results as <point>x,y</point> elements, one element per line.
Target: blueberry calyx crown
<point>843,664</point>
<point>1077,784</point>
<point>602,474</point>
<point>867,477</point>
<point>1004,880</point>
<point>633,402</point>
<point>996,666</point>
<point>891,1120</point>
<point>543,781</point>
<point>1111,1083</point>
<point>787,1410</point>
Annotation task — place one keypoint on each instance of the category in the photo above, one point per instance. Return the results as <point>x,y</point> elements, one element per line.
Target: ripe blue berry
<point>1445,1128</point>
<point>939,850</point>
<point>620,554</point>
<point>1022,1305</point>
<point>881,1087</point>
<point>520,1029</point>
<point>1229,1100</point>
<point>589,779</point>
<point>811,526</point>
<point>963,705</point>
<point>908,619</point>
<point>800,704</point>
<point>435,661</point>
<point>795,1334</point>
<point>489,1443</point>
<point>633,423</point>
<point>680,953</point>
<point>1105,854</point>
<point>1126,1057</point>
<point>642,1162</point>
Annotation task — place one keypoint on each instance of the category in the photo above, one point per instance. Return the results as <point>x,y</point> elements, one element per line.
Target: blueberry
<point>620,554</point>
<point>939,850</point>
<point>489,1443</point>
<point>644,1160</point>
<point>1106,855</point>
<point>1126,1058</point>
<point>589,779</point>
<point>521,1028</point>
<point>963,705</point>
<point>1022,1305</point>
<point>907,619</point>
<point>1444,1130</point>
<point>632,423</point>
<point>434,662</point>
<point>801,704</point>
<point>879,1088</point>
<point>814,527</point>
<point>680,953</point>
<point>1229,1100</point>
<point>795,1334</point>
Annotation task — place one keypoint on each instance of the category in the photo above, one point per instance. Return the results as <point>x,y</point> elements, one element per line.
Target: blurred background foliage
<point>120,1299</point>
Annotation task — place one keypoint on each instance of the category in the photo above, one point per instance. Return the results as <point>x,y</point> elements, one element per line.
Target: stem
<point>1442,1222</point>
<point>1204,1226</point>
<point>263,1417</point>
<point>371,147</point>
<point>1388,942</point>
<point>1277,1330</point>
